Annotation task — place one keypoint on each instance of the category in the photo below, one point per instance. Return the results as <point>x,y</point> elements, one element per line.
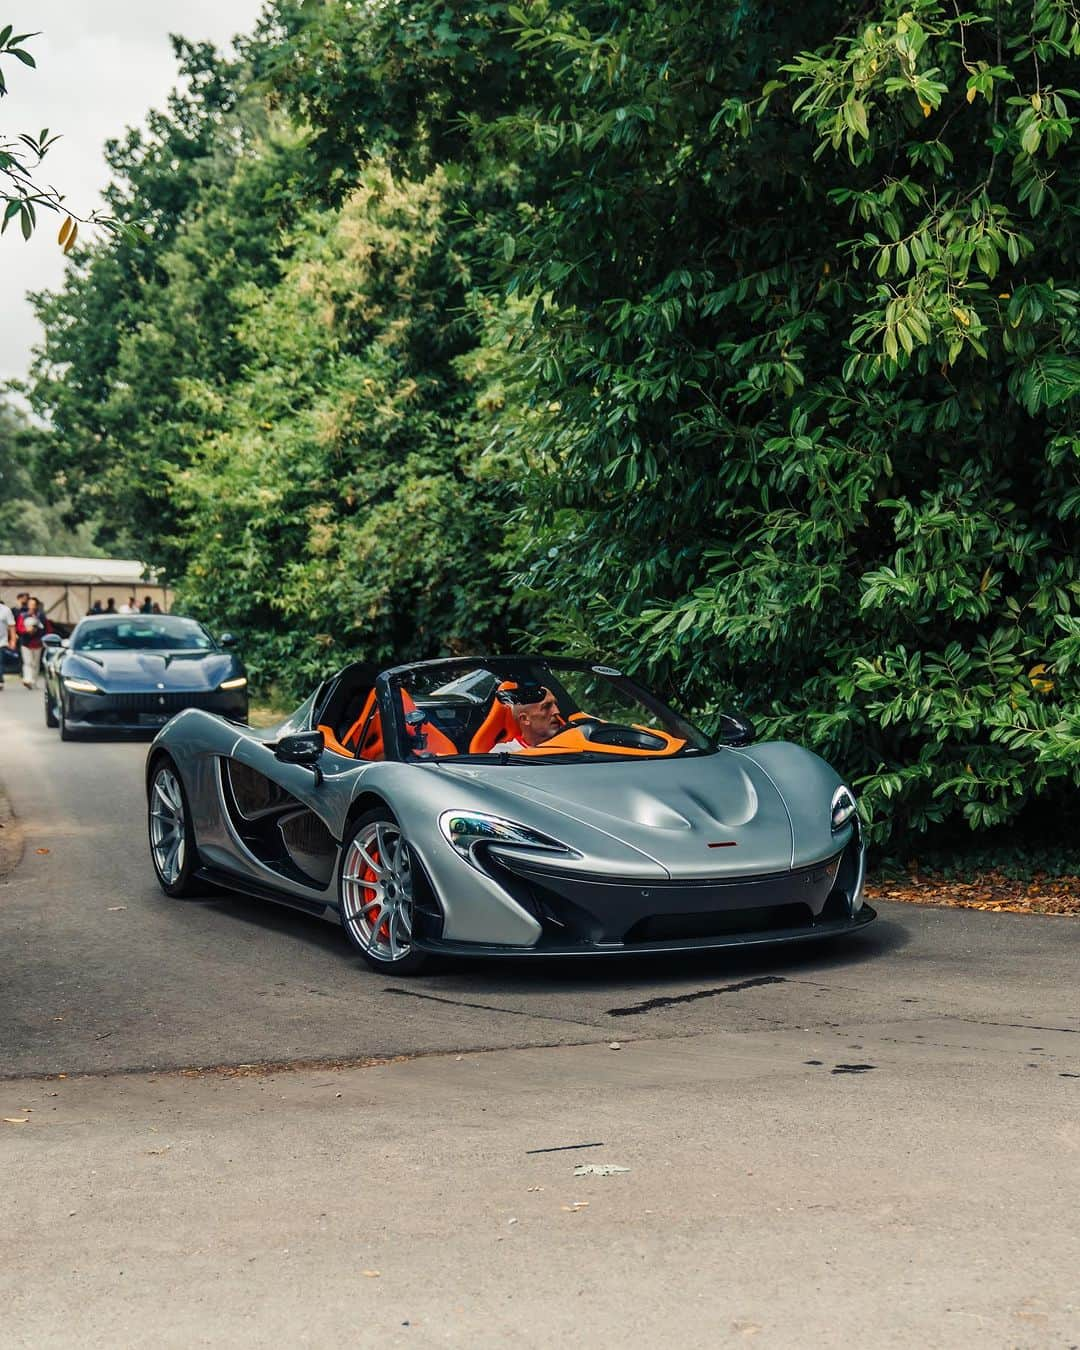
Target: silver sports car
<point>508,806</point>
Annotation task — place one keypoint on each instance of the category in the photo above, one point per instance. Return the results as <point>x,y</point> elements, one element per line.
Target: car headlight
<point>843,807</point>
<point>78,686</point>
<point>464,830</point>
<point>237,683</point>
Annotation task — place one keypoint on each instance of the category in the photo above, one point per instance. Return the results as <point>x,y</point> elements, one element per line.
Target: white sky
<point>101,65</point>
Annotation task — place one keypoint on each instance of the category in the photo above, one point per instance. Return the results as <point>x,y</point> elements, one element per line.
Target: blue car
<point>133,672</point>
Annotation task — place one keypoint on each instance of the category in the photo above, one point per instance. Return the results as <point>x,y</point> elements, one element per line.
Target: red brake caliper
<point>371,911</point>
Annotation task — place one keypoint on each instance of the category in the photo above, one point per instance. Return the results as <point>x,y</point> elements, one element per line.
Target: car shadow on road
<point>519,975</point>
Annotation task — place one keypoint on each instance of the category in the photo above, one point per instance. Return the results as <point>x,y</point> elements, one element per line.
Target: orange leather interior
<point>500,724</point>
<point>364,739</point>
<point>436,742</point>
<point>573,740</point>
<point>331,741</point>
<point>352,736</point>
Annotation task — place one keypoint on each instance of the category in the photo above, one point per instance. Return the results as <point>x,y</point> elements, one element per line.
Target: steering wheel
<point>619,734</point>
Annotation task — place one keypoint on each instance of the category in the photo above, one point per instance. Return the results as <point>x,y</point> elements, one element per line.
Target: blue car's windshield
<point>143,633</point>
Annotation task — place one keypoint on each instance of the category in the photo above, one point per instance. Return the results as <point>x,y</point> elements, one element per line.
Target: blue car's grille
<point>168,701</point>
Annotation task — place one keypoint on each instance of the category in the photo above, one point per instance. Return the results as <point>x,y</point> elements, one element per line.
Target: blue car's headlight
<point>78,686</point>
<point>464,830</point>
<point>237,682</point>
<point>843,807</point>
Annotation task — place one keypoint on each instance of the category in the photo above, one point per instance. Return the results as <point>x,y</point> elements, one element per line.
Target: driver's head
<point>535,710</point>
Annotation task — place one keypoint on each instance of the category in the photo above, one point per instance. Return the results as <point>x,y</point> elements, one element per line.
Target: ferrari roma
<point>132,672</point>
<point>416,807</point>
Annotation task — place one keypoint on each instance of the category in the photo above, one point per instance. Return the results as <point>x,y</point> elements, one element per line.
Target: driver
<point>534,710</point>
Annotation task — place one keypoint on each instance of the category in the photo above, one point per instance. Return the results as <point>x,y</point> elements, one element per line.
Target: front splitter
<point>831,928</point>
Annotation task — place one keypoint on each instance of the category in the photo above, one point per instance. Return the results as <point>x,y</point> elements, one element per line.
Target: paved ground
<point>877,1142</point>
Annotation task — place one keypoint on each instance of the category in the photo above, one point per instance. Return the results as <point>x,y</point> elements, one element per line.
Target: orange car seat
<point>364,739</point>
<point>436,742</point>
<point>500,724</point>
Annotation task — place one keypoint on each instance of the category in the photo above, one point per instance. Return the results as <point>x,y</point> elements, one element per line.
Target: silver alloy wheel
<point>167,833</point>
<point>377,891</point>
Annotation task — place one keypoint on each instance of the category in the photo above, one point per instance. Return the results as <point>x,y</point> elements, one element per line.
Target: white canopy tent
<point>67,587</point>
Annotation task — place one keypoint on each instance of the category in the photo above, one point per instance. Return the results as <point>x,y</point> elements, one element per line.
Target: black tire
<point>50,715</point>
<point>376,938</point>
<point>66,734</point>
<point>181,884</point>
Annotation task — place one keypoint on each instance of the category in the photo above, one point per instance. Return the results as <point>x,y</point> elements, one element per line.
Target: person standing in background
<point>131,607</point>
<point>7,635</point>
<point>31,626</point>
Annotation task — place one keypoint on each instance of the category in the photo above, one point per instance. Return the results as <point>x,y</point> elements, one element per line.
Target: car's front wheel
<point>375,889</point>
<point>66,734</point>
<point>172,840</point>
<point>50,711</point>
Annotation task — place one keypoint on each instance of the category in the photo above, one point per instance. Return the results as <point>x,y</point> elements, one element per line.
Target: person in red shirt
<point>31,625</point>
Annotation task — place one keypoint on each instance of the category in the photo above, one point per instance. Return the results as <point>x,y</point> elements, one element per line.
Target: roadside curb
<point>11,837</point>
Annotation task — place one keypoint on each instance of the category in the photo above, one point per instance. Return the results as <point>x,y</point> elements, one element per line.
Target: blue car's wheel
<point>50,713</point>
<point>375,889</point>
<point>66,734</point>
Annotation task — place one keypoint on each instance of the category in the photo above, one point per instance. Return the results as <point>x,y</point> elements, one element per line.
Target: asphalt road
<point>876,1142</point>
<point>105,973</point>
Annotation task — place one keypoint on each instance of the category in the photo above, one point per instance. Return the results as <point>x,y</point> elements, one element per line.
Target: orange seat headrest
<point>500,724</point>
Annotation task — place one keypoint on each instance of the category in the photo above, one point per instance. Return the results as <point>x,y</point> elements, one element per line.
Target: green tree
<point>340,509</point>
<point>32,520</point>
<point>22,195</point>
<point>102,451</point>
<point>805,323</point>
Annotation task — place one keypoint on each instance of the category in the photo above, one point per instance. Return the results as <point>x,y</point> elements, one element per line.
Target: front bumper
<point>824,928</point>
<point>148,710</point>
<point>581,915</point>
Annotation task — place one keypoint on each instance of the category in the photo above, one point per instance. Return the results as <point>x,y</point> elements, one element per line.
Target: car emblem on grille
<point>162,702</point>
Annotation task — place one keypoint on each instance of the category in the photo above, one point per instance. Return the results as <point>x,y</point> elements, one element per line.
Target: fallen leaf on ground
<point>578,1204</point>
<point>991,891</point>
<point>15,1120</point>
<point>41,850</point>
<point>113,909</point>
<point>371,1274</point>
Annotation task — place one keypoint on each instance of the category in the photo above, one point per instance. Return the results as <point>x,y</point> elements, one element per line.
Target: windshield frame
<point>89,624</point>
<point>395,678</point>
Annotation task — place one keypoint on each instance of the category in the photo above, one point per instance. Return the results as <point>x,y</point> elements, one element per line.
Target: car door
<point>276,817</point>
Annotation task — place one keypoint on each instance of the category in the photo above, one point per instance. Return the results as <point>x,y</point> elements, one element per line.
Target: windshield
<point>164,634</point>
<point>522,711</point>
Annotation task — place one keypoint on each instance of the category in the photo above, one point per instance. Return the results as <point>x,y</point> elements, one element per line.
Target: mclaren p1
<point>508,806</point>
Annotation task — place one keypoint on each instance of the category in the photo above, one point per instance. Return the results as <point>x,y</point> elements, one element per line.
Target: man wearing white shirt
<point>535,711</point>
<point>7,635</point>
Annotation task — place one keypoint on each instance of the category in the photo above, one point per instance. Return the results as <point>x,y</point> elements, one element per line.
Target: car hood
<point>696,817</point>
<point>135,670</point>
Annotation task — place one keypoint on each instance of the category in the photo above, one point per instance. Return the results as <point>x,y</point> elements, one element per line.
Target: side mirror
<point>304,748</point>
<point>734,729</point>
<point>227,640</point>
<point>53,640</point>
